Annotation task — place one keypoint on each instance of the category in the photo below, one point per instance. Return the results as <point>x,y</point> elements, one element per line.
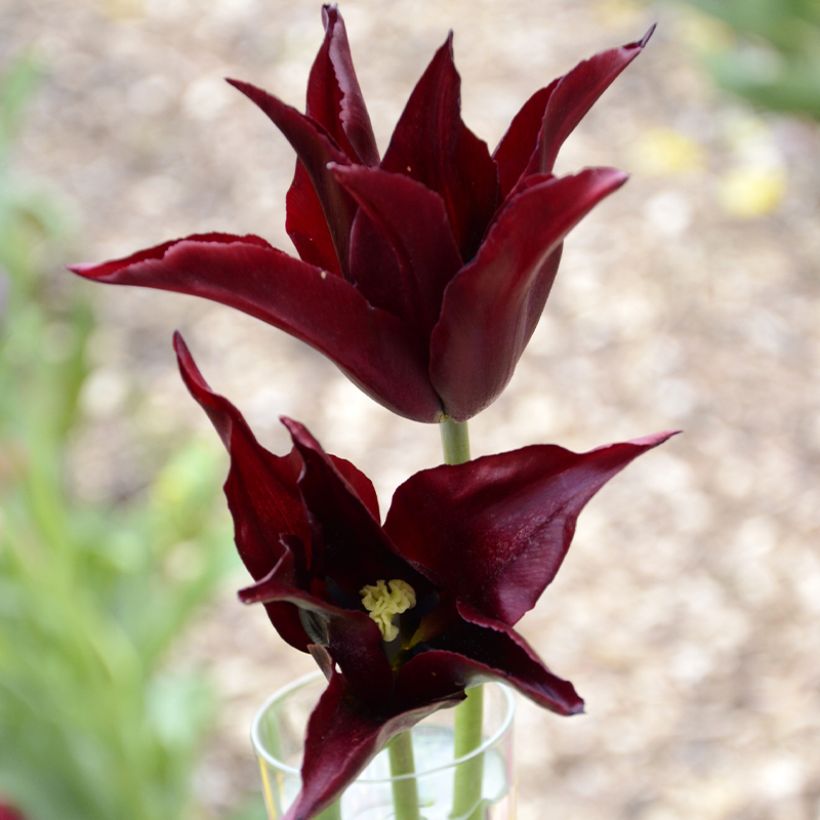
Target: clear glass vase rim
<point>281,693</point>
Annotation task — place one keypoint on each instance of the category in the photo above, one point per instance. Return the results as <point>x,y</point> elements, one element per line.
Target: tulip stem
<point>455,442</point>
<point>467,785</point>
<point>405,789</point>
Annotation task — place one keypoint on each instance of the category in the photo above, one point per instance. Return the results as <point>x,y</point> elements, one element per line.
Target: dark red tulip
<point>421,275</point>
<point>8,812</point>
<point>401,616</point>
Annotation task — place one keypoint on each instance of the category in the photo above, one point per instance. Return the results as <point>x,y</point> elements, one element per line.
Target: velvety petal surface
<point>372,346</point>
<point>349,544</point>
<point>343,735</point>
<point>431,144</point>
<point>487,311</point>
<point>573,95</point>
<point>413,221</point>
<point>334,98</point>
<point>478,650</point>
<point>262,495</point>
<point>493,532</point>
<point>315,149</point>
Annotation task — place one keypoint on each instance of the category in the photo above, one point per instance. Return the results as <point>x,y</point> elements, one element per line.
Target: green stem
<point>467,786</point>
<point>455,441</point>
<point>469,716</point>
<point>405,789</point>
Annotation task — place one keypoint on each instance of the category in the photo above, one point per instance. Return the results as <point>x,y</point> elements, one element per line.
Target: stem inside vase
<point>455,443</point>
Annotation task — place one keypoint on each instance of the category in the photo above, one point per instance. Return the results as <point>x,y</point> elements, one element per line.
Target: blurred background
<point>687,610</point>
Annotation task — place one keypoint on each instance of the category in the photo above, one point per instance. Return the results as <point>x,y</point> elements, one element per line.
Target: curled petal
<point>262,495</point>
<point>371,346</point>
<point>549,116</point>
<point>493,532</point>
<point>343,735</point>
<point>574,94</point>
<point>475,653</point>
<point>489,307</point>
<point>334,98</point>
<point>432,145</point>
<point>315,150</point>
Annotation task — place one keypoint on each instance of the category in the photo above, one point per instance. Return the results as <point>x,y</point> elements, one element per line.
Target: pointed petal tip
<point>299,433</point>
<point>655,439</point>
<point>330,14</point>
<point>189,370</point>
<point>246,88</point>
<point>610,178</point>
<point>291,425</point>
<point>247,595</point>
<point>179,344</point>
<point>647,37</point>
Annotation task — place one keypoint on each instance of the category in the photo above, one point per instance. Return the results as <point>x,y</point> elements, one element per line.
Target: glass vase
<point>278,734</point>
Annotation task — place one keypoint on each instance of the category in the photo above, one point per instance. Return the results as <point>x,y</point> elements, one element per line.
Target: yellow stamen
<point>383,604</point>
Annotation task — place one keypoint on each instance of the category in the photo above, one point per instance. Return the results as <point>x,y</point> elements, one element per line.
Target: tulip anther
<point>384,600</point>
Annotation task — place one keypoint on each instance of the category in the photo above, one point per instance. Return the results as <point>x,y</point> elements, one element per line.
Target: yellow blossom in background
<point>665,151</point>
<point>749,192</point>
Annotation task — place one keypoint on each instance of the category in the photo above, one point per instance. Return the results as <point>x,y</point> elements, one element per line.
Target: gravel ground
<point>686,613</point>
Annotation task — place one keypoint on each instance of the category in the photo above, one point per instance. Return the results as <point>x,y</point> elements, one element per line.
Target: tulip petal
<point>334,98</point>
<point>488,308</point>
<point>574,94</point>
<point>493,532</point>
<point>512,155</point>
<point>361,485</point>
<point>261,491</point>
<point>349,543</point>
<point>413,220</point>
<point>431,144</point>
<point>371,346</point>
<point>335,101</point>
<point>479,650</point>
<point>350,636</point>
<point>549,116</point>
<point>315,149</point>
<point>306,225</point>
<point>343,735</point>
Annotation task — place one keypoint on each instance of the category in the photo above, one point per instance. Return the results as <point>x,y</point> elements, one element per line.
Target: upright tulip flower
<point>403,616</point>
<point>422,274</point>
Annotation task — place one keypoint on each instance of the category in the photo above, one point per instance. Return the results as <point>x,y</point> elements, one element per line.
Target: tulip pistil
<point>386,599</point>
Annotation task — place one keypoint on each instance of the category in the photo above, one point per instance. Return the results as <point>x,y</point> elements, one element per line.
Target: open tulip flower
<point>422,274</point>
<point>403,616</point>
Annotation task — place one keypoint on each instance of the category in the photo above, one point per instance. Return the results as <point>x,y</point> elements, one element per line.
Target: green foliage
<point>96,720</point>
<point>774,60</point>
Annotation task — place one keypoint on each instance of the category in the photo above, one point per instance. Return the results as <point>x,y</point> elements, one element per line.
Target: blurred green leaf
<point>773,58</point>
<point>97,720</point>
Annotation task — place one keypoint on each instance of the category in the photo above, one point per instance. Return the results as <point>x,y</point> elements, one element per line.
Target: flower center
<point>384,600</point>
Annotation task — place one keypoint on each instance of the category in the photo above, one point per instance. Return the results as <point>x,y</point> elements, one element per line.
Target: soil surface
<point>686,613</point>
